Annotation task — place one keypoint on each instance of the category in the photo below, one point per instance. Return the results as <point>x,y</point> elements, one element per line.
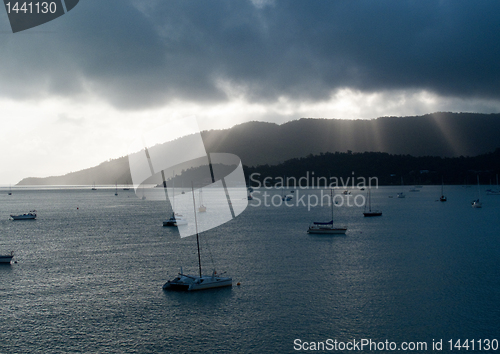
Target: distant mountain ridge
<point>442,134</point>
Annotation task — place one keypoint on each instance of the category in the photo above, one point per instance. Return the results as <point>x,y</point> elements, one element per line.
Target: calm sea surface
<point>90,271</point>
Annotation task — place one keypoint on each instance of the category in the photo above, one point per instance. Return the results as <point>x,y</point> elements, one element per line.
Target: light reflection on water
<point>89,279</point>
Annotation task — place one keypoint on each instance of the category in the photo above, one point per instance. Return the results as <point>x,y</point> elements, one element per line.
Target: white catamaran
<point>197,282</point>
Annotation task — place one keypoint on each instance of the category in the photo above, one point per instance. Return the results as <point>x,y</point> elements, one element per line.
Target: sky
<point>78,90</point>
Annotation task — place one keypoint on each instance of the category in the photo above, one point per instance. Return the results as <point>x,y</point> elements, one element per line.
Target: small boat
<point>284,197</point>
<point>28,216</point>
<point>401,194</point>
<point>187,282</point>
<point>371,212</point>
<point>476,203</point>
<point>326,227</point>
<point>93,187</point>
<point>442,198</point>
<point>10,190</point>
<point>116,189</point>
<point>493,191</point>
<point>202,208</point>
<point>193,282</point>
<point>175,220</point>
<point>6,258</point>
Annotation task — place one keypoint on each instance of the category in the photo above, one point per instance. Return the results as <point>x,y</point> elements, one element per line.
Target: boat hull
<point>327,230</point>
<point>24,217</point>
<point>193,283</point>
<point>5,259</point>
<point>372,213</point>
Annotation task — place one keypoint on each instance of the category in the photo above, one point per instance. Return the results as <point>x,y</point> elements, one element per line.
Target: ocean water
<point>89,273</point>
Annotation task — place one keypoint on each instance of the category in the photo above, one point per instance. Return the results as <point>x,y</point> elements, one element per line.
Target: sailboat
<point>284,197</point>
<point>442,198</point>
<point>371,212</point>
<point>197,282</point>
<point>176,219</point>
<point>476,203</point>
<point>202,208</point>
<point>326,227</point>
<point>116,189</point>
<point>10,190</point>
<point>401,194</point>
<point>93,187</point>
<point>6,258</point>
<point>493,191</point>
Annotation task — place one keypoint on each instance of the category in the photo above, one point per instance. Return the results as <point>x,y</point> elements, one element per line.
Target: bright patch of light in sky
<point>57,136</point>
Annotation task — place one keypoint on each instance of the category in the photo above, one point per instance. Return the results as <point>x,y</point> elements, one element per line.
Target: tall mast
<point>196,225</point>
<point>370,199</point>
<point>331,194</point>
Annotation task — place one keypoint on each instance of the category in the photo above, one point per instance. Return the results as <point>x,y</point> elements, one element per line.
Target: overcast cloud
<point>283,59</point>
<point>141,53</point>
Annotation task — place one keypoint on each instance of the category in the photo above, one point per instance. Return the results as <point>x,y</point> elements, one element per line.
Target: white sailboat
<point>326,227</point>
<point>493,191</point>
<point>176,219</point>
<point>442,198</point>
<point>202,208</point>
<point>197,282</point>
<point>284,197</point>
<point>401,194</point>
<point>371,212</point>
<point>476,203</point>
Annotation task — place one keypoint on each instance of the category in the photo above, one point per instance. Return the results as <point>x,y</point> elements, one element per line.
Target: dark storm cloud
<point>141,53</point>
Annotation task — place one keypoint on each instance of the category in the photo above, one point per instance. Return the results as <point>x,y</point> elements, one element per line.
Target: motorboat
<point>28,216</point>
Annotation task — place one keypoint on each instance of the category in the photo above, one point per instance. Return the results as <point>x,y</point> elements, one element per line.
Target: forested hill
<point>387,168</point>
<point>259,143</point>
